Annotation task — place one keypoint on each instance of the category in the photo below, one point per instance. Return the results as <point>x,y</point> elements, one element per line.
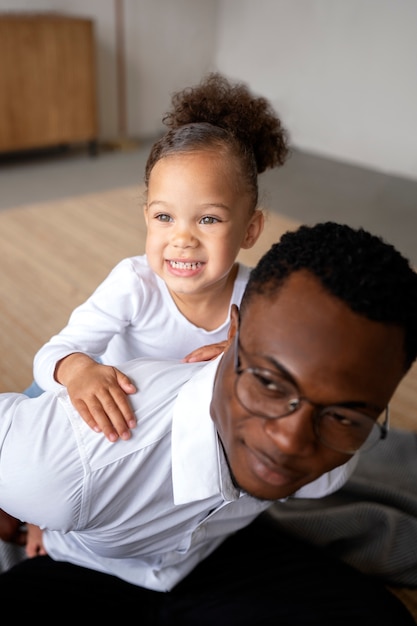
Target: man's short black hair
<point>367,273</point>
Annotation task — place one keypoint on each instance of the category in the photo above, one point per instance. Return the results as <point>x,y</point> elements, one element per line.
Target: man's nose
<point>294,433</point>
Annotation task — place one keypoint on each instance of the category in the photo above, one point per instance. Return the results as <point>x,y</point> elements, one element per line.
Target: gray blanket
<point>371,523</point>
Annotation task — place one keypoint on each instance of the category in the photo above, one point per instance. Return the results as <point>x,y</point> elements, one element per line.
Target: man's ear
<point>234,322</point>
<point>253,230</point>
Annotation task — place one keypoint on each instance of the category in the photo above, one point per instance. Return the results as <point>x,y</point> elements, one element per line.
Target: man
<point>326,331</point>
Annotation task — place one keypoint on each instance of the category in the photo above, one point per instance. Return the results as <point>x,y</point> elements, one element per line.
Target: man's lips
<point>271,472</point>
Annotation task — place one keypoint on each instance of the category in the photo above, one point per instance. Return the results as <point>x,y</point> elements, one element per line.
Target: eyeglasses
<point>269,394</point>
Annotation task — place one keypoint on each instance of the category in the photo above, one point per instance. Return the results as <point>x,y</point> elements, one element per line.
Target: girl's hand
<point>206,353</point>
<point>99,394</point>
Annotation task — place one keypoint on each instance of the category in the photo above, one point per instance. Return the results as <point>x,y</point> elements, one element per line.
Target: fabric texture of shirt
<point>131,314</point>
<point>146,510</point>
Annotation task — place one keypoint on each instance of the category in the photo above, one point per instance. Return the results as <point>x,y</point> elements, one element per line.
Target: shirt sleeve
<point>92,325</point>
<point>42,475</point>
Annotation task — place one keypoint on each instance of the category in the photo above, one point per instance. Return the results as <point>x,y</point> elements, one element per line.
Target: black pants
<point>259,576</point>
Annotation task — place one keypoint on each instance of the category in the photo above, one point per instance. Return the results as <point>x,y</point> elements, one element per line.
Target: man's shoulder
<point>166,375</point>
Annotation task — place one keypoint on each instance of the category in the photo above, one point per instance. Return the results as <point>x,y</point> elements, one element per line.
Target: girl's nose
<point>184,240</point>
<point>183,237</point>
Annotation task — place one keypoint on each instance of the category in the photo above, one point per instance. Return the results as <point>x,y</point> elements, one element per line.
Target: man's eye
<point>163,217</point>
<point>270,385</point>
<point>339,419</point>
<point>209,219</point>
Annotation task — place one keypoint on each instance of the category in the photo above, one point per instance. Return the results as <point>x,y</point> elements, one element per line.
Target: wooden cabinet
<point>47,81</point>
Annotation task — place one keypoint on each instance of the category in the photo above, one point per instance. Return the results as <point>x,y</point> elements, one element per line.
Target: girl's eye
<point>163,217</point>
<point>208,219</point>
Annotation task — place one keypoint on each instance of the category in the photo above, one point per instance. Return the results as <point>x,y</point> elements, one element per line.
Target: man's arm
<point>40,465</point>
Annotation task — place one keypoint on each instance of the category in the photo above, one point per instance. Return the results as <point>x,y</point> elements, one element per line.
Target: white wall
<point>168,44</point>
<point>342,73</point>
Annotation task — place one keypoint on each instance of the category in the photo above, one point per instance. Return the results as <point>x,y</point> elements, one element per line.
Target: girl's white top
<point>131,314</point>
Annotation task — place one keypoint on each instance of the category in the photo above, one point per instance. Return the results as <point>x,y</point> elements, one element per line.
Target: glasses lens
<point>265,394</point>
<point>347,430</point>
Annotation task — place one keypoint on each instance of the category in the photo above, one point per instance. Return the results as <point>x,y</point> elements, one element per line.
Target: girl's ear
<point>253,230</point>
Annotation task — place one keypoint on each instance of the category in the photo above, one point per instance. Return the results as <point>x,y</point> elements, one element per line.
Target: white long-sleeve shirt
<point>130,314</point>
<point>146,510</point>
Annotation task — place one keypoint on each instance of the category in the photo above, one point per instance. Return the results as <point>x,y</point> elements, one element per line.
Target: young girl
<point>201,208</point>
<point>201,182</point>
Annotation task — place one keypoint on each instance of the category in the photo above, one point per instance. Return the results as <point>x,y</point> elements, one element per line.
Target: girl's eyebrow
<point>157,202</point>
<point>205,206</point>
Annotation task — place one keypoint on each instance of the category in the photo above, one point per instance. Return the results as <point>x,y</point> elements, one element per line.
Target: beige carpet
<point>53,255</point>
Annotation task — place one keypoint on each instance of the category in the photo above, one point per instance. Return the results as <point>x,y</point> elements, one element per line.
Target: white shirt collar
<point>199,468</point>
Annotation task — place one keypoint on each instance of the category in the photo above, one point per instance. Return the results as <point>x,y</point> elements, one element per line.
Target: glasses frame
<point>382,426</point>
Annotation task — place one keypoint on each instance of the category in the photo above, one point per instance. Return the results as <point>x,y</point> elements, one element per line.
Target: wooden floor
<point>54,254</point>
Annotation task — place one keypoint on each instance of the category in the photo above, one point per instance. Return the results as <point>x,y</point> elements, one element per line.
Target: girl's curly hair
<point>225,116</point>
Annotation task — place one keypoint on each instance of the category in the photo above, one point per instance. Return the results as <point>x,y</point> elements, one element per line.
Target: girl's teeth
<point>184,266</point>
